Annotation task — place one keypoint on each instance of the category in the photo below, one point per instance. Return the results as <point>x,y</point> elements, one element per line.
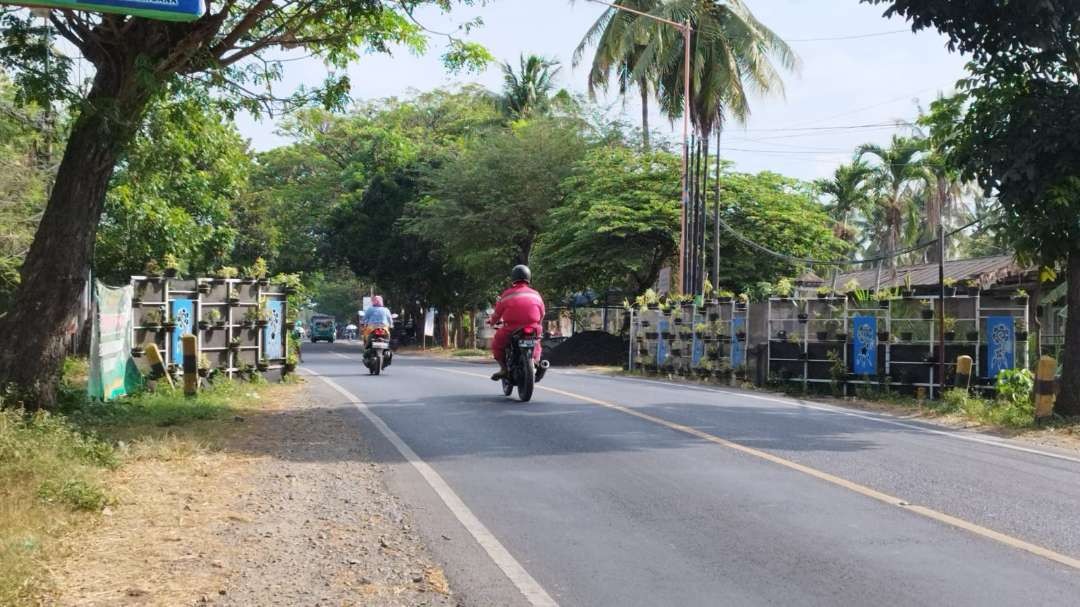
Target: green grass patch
<point>53,466</point>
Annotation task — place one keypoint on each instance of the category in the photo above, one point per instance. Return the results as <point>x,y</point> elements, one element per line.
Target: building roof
<point>987,271</point>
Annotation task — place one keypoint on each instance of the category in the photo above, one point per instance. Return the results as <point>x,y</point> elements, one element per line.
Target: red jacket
<point>519,306</point>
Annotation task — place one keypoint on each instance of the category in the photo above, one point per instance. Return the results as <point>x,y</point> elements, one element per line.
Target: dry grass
<point>90,499</point>
<point>158,544</point>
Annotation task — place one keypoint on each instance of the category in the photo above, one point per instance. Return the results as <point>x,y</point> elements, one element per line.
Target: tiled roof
<point>986,270</point>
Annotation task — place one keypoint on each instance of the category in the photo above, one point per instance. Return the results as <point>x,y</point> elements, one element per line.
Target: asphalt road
<point>619,491</point>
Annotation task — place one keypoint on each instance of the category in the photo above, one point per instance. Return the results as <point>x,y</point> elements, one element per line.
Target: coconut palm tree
<point>527,92</point>
<point>896,176</point>
<point>849,195</point>
<point>618,48</point>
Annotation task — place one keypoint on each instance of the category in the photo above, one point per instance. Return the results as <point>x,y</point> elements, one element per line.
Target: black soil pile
<point>589,348</point>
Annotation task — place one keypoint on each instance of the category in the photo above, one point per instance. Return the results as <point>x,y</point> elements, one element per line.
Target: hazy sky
<point>848,83</point>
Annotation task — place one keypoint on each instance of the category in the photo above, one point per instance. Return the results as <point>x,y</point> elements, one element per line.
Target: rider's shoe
<point>540,371</point>
<point>499,375</point>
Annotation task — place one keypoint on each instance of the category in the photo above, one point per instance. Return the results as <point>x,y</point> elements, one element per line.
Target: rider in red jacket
<point>519,306</point>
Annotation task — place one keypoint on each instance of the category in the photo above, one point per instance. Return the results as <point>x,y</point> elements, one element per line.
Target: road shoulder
<point>289,509</point>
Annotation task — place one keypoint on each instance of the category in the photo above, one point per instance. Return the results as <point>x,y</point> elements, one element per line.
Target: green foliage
<point>778,212</point>
<point>489,203</point>
<point>1015,386</point>
<point>172,194</point>
<point>619,225</point>
<point>24,154</point>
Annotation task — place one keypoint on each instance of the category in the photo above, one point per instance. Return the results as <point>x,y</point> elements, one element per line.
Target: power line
<point>842,127</point>
<point>809,261</point>
<point>851,37</point>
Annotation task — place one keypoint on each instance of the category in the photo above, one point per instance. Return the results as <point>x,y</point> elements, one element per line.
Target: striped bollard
<point>963,372</point>
<point>1045,389</point>
<point>191,365</point>
<point>157,364</point>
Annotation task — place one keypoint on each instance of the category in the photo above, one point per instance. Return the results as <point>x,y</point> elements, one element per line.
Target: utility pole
<point>681,279</point>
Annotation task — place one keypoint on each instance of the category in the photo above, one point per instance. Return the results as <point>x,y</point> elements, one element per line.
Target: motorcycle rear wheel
<point>525,388</point>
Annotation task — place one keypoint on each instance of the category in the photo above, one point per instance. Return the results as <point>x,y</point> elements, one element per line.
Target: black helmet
<point>521,273</point>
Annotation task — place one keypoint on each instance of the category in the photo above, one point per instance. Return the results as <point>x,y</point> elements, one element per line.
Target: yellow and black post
<point>191,365</point>
<point>963,372</point>
<point>157,364</point>
<point>1045,388</point>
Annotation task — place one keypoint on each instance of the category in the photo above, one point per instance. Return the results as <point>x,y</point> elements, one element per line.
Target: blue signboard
<point>661,345</point>
<point>1000,351</point>
<point>738,348</point>
<point>697,351</point>
<point>183,314</point>
<point>274,332</point>
<point>169,10</point>
<point>864,345</point>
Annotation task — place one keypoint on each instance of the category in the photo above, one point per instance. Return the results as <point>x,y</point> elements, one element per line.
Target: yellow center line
<point>930,513</point>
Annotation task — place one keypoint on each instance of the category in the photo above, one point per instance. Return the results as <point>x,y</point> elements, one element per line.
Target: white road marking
<point>525,583</point>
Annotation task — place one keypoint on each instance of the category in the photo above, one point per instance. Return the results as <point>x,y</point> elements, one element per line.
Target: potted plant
<point>701,328</point>
<point>263,365</point>
<point>233,298</point>
<point>234,344</point>
<point>724,296</point>
<point>290,364</point>
<point>204,287</point>
<point>137,351</point>
<point>172,265</point>
<point>950,328</point>
<point>907,336</point>
<point>204,324</point>
<point>927,312</point>
<point>1020,328</point>
<point>262,317</point>
<point>169,325</point>
<point>153,269</point>
<point>204,366</point>
<point>214,316</point>
<point>257,272</point>
<point>742,302</point>
<point>783,288</point>
<point>908,290</point>
<point>676,315</point>
<point>972,336</point>
<point>137,296</point>
<point>883,336</point>
<point>1020,295</point>
<point>226,273</point>
<point>972,286</point>
<point>250,316</point>
<point>883,297</point>
<point>652,300</point>
<point>950,287</point>
<point>781,335</point>
<point>152,319</point>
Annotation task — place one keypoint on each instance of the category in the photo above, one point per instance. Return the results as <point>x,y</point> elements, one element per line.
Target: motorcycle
<point>523,373</point>
<point>377,352</point>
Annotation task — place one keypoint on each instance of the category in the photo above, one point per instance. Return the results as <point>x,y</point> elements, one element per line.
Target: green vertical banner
<point>112,370</point>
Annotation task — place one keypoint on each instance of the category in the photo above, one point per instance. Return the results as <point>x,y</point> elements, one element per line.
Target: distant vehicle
<point>323,328</point>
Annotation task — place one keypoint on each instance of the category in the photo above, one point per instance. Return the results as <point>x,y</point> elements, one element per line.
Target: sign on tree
<point>169,10</point>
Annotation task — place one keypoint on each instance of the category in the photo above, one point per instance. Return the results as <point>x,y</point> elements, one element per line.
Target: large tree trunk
<point>643,87</point>
<point>1068,402</point>
<point>54,271</point>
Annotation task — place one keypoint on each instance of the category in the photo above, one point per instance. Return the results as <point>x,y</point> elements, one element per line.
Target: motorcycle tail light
<point>529,330</point>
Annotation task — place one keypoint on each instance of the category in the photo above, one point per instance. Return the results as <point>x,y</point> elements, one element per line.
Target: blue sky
<point>873,80</point>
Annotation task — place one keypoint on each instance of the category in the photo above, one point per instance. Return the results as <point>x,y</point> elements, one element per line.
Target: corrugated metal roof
<point>986,270</point>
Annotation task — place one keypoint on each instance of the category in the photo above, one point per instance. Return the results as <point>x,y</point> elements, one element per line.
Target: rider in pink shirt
<point>518,307</point>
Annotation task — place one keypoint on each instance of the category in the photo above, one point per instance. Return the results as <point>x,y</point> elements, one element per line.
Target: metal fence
<point>240,324</point>
<point>894,342</point>
<point>707,341</point>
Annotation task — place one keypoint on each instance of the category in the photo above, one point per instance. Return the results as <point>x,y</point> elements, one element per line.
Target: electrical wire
<point>851,37</point>
<point>809,261</point>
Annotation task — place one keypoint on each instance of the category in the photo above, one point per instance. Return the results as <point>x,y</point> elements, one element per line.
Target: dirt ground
<point>288,510</point>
